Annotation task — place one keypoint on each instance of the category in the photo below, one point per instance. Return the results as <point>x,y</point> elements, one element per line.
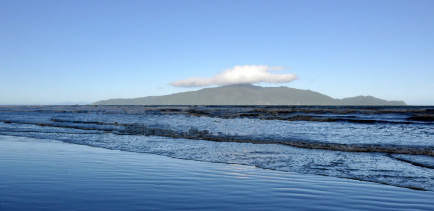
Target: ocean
<point>392,146</point>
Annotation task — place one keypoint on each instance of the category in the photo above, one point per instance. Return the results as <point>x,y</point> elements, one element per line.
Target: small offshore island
<point>247,94</point>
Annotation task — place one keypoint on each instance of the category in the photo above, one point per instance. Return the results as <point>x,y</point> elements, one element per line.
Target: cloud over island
<point>246,74</point>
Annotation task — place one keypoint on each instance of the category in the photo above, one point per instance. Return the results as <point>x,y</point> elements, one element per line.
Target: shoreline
<point>48,174</point>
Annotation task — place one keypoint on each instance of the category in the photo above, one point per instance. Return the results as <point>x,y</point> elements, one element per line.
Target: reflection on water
<point>50,175</point>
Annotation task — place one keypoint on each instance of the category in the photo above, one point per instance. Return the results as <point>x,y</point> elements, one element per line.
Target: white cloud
<point>246,74</point>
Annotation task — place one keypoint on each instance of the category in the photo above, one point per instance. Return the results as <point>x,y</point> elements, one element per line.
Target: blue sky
<point>60,51</point>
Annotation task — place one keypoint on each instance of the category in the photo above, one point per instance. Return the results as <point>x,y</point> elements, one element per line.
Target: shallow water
<point>383,131</point>
<point>51,175</point>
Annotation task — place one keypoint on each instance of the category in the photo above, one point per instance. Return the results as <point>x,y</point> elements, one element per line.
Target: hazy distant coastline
<point>246,94</point>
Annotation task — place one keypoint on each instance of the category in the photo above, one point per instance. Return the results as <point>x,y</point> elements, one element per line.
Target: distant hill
<point>246,94</point>
<point>368,100</point>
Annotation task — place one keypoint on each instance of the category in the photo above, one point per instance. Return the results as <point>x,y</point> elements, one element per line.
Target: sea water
<point>388,145</point>
<point>43,174</point>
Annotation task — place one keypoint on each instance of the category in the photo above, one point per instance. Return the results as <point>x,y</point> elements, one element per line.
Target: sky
<point>84,51</point>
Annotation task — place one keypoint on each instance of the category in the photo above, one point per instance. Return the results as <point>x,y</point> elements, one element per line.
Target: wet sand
<point>51,175</point>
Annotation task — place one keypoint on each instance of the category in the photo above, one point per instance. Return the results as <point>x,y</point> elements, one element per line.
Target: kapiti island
<point>247,94</point>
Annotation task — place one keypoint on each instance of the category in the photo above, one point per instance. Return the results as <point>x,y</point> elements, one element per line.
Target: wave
<point>395,148</point>
<point>196,134</point>
<point>140,129</point>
